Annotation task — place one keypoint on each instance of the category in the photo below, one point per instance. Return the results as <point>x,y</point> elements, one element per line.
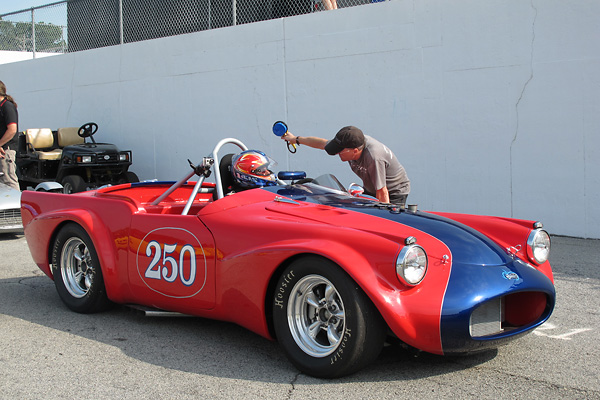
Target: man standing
<point>9,120</point>
<point>382,175</point>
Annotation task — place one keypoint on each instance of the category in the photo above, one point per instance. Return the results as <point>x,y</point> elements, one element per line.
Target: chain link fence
<point>75,25</point>
<point>42,29</point>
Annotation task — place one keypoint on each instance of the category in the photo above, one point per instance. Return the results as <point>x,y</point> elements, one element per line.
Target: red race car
<point>327,274</point>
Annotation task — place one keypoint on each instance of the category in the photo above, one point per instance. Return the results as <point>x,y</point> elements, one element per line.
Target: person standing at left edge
<point>9,121</point>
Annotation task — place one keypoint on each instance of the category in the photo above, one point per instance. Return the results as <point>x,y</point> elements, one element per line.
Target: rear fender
<point>111,247</point>
<point>107,248</point>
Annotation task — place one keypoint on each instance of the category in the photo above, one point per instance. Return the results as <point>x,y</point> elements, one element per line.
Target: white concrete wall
<point>14,56</point>
<point>493,107</point>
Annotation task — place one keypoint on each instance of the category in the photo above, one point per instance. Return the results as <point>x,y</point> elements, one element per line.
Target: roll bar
<point>215,156</point>
<point>207,164</point>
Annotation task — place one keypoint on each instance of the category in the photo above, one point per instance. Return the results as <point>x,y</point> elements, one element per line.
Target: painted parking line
<point>563,336</point>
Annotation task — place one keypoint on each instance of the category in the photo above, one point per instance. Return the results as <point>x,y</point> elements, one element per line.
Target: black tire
<point>131,177</point>
<point>77,273</point>
<point>73,184</point>
<point>349,330</point>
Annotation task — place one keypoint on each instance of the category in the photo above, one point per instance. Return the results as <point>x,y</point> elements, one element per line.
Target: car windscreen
<point>326,189</point>
<point>328,181</point>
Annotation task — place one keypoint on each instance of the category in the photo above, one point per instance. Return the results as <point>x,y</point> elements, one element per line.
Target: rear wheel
<point>131,177</point>
<point>325,323</point>
<point>76,270</point>
<point>73,184</point>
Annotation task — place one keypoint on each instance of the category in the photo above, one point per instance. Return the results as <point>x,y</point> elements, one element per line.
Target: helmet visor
<point>265,169</point>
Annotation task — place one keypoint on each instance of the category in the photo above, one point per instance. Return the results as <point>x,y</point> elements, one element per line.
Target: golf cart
<point>64,156</point>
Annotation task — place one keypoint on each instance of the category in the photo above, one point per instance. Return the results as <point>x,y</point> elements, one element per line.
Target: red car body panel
<point>231,252</point>
<point>507,232</point>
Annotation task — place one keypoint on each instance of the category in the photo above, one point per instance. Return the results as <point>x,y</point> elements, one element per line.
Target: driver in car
<point>251,169</point>
<point>382,174</point>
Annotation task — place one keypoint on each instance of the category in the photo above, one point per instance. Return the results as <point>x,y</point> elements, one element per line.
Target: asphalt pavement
<point>48,352</point>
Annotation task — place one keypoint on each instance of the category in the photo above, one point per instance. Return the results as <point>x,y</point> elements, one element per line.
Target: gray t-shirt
<point>379,167</point>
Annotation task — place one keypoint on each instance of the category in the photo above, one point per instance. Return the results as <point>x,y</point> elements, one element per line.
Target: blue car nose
<point>486,303</point>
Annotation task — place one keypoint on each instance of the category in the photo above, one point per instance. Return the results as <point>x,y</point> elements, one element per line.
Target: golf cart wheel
<point>73,184</point>
<point>326,324</point>
<point>76,271</point>
<point>131,177</point>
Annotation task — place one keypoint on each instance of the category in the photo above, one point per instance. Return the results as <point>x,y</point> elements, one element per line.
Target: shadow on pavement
<point>201,346</point>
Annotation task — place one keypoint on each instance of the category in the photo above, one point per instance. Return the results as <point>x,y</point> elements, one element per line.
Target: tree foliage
<point>18,36</point>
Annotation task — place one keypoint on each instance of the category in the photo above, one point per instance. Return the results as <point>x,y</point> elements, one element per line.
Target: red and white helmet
<point>251,169</point>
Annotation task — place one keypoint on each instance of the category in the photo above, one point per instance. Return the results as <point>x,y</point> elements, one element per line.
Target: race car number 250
<point>176,268</point>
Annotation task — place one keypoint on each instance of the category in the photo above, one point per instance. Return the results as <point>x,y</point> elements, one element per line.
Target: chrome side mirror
<point>355,189</point>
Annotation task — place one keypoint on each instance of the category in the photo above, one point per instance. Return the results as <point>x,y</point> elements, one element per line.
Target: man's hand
<point>383,195</point>
<point>310,141</point>
<point>289,137</point>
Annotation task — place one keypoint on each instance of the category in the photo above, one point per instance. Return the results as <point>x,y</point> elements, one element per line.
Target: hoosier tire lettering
<point>338,354</point>
<point>284,281</point>
<point>325,323</point>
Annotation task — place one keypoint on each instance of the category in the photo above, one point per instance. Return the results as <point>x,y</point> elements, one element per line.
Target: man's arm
<point>310,141</point>
<point>11,129</point>
<point>383,195</point>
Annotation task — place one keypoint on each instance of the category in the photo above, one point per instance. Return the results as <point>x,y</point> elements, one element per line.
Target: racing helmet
<point>250,169</point>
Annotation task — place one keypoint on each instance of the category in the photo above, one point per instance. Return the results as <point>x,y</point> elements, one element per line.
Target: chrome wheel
<point>77,271</point>
<point>325,323</point>
<point>76,267</point>
<point>316,316</point>
<point>67,188</point>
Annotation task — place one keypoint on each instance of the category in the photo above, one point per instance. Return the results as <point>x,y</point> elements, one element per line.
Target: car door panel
<point>171,263</point>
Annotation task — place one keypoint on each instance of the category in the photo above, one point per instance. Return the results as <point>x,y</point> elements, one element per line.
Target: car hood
<point>9,198</point>
<point>467,245</point>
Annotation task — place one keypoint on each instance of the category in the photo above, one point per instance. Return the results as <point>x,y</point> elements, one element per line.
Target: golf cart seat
<point>68,137</point>
<point>40,142</point>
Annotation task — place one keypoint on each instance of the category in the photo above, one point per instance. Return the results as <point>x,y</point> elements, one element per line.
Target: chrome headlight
<point>538,246</point>
<point>123,157</point>
<point>411,264</point>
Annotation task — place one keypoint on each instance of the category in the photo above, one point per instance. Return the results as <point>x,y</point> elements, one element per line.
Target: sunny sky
<point>7,6</point>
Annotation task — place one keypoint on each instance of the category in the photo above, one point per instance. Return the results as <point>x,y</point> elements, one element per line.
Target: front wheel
<point>76,270</point>
<point>73,184</point>
<point>325,323</point>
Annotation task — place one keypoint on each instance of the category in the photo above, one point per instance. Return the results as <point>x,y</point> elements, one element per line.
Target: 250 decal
<point>171,261</point>
<point>171,268</point>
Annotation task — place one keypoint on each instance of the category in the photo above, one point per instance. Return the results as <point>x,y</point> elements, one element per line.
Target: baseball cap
<point>349,137</point>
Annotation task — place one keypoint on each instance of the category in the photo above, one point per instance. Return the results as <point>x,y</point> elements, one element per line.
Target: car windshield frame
<point>328,181</point>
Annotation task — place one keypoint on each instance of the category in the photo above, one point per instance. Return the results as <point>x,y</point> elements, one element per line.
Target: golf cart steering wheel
<point>87,130</point>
